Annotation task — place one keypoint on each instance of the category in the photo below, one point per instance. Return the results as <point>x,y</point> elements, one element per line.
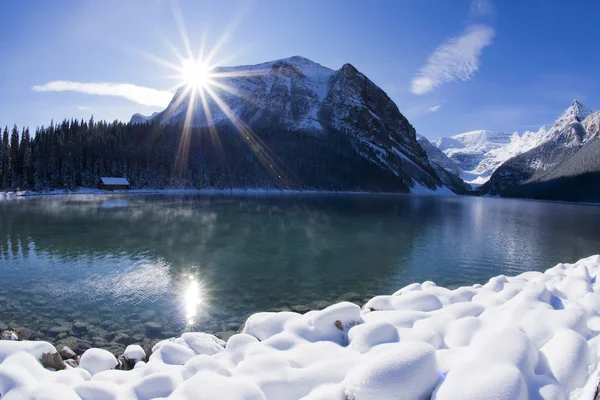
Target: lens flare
<point>195,74</point>
<point>202,87</point>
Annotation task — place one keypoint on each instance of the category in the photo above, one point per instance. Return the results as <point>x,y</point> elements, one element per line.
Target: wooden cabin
<point>108,183</point>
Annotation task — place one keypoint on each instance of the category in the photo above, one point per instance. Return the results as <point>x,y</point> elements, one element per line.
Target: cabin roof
<point>114,181</point>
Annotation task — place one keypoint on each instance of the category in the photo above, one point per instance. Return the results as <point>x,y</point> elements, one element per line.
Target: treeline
<point>76,153</point>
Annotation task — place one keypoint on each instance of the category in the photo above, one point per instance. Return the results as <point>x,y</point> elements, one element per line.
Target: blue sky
<point>450,66</point>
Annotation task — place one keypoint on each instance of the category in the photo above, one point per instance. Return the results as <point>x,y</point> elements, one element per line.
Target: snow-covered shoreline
<point>533,336</point>
<point>418,190</point>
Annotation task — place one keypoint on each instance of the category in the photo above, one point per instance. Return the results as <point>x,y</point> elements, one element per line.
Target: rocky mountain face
<point>333,108</point>
<point>564,166</point>
<point>447,169</point>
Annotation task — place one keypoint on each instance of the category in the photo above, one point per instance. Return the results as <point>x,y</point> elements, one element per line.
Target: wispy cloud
<point>433,109</point>
<point>456,59</point>
<point>481,8</point>
<point>138,94</point>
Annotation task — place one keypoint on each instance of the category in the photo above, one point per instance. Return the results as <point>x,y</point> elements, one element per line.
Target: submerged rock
<point>225,335</point>
<point>300,309</point>
<point>153,328</point>
<point>124,338</point>
<point>55,331</point>
<point>80,327</point>
<point>82,346</point>
<point>26,334</point>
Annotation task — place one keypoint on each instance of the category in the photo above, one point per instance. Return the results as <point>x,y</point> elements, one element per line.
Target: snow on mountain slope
<point>297,94</point>
<point>564,166</point>
<point>448,170</point>
<point>254,91</point>
<point>479,153</point>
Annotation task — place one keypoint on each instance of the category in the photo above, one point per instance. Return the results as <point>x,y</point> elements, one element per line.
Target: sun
<point>195,74</point>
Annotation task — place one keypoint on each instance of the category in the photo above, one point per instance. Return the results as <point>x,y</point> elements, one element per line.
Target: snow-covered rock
<point>533,336</point>
<point>135,353</point>
<point>97,360</point>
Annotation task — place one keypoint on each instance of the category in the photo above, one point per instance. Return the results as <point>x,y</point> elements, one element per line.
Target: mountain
<point>447,169</point>
<point>565,166</point>
<point>138,118</point>
<point>334,108</point>
<point>480,152</point>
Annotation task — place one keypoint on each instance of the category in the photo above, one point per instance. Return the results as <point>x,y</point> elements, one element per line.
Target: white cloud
<point>83,108</point>
<point>456,59</point>
<point>138,94</point>
<point>433,108</point>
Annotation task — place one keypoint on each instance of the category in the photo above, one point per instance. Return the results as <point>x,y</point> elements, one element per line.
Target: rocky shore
<point>533,336</point>
<point>72,340</point>
<point>117,330</point>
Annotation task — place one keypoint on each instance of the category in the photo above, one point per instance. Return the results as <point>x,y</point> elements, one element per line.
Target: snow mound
<point>533,336</point>
<point>97,360</point>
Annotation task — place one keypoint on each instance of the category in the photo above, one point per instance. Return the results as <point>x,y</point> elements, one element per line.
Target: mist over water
<point>205,263</point>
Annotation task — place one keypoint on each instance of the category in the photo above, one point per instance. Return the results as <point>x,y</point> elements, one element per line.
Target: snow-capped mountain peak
<point>479,153</point>
<point>576,111</point>
<point>296,94</point>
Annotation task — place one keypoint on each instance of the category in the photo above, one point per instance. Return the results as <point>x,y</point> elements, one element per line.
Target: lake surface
<point>117,269</point>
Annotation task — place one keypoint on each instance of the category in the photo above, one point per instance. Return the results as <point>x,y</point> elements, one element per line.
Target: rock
<point>148,315</point>
<point>69,341</point>
<point>66,352</point>
<point>26,334</point>
<point>338,324</point>
<point>153,329</point>
<point>57,330</point>
<point>138,338</point>
<point>98,339</point>
<point>106,324</point>
<point>97,360</point>
<point>225,335</point>
<point>125,364</point>
<point>135,353</point>
<point>82,346</point>
<point>321,304</point>
<point>8,335</point>
<point>110,336</point>
<point>300,309</point>
<point>352,297</point>
<point>124,338</point>
<point>72,363</point>
<point>52,360</point>
<point>79,327</point>
<point>62,335</point>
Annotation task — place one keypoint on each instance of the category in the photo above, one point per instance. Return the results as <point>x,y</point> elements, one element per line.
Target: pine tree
<point>14,159</point>
<point>4,161</point>
<point>25,159</point>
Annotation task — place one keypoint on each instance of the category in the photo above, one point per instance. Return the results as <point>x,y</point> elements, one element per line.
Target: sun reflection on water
<point>192,300</point>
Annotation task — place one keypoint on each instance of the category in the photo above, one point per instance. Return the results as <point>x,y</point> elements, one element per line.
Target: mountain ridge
<point>565,166</point>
